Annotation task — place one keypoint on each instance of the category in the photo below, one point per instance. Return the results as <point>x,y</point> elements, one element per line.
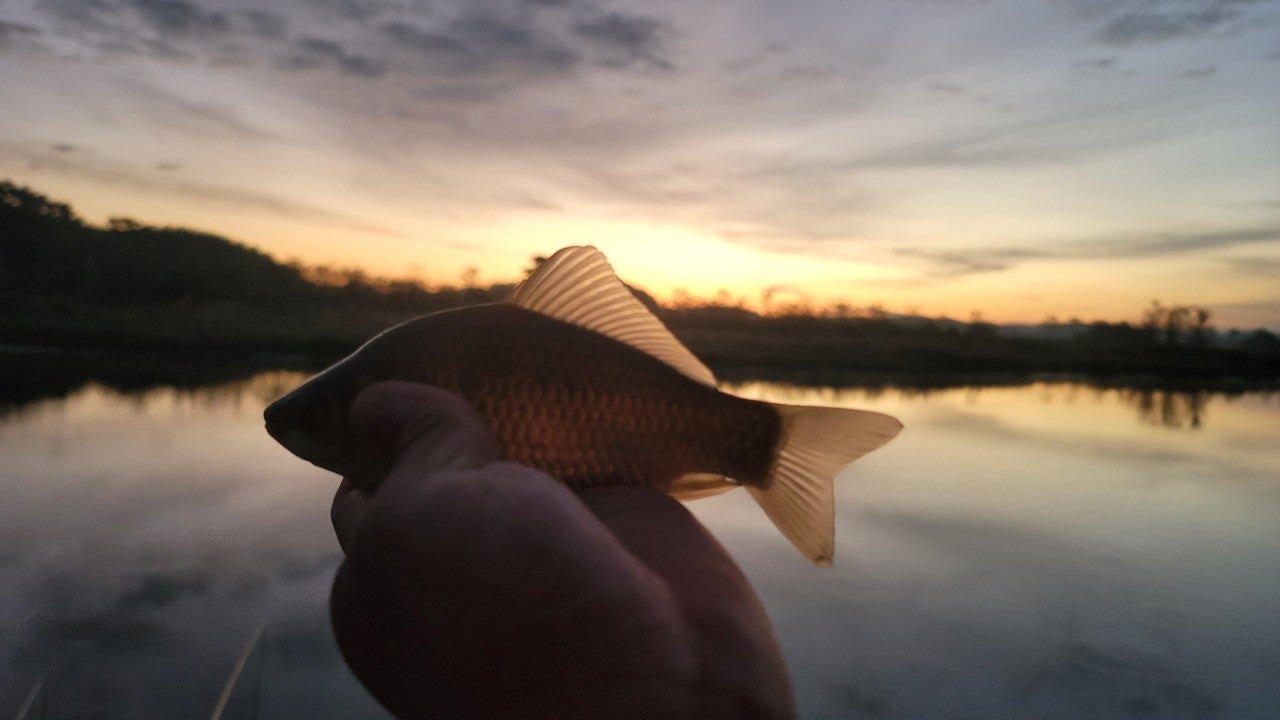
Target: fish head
<point>313,421</point>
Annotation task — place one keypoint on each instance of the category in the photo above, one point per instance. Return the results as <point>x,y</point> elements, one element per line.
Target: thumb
<point>414,431</point>
<point>424,427</point>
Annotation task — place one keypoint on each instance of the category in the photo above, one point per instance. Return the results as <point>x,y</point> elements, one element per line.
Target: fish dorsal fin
<point>577,285</point>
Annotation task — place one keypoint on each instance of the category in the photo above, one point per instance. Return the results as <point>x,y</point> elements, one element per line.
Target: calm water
<point>1046,551</point>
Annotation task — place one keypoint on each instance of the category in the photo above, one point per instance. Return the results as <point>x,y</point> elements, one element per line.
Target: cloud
<point>1067,136</point>
<point>1100,68</point>
<point>478,45</point>
<point>314,52</point>
<point>87,15</point>
<point>211,116</point>
<point>491,37</point>
<point>946,88</point>
<point>626,40</point>
<point>489,42</point>
<point>1268,267</point>
<point>361,10</point>
<point>1157,22</point>
<point>232,197</point>
<point>1147,28</point>
<point>9,29</point>
<point>955,263</point>
<point>1201,73</point>
<point>258,23</point>
<point>177,18</point>
<point>1173,243</point>
<point>435,47</point>
<point>167,30</point>
<point>157,49</point>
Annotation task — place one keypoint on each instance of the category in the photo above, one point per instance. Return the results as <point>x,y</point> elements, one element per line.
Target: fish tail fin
<point>817,443</point>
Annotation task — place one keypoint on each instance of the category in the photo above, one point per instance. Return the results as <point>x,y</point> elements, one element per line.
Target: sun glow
<point>671,262</point>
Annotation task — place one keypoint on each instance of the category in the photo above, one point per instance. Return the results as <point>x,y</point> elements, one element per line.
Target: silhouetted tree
<point>534,264</point>
<point>1200,327</point>
<point>123,224</point>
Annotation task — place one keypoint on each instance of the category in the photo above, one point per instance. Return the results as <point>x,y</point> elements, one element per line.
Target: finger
<point>423,429</point>
<point>716,598</point>
<point>657,529</point>
<point>663,535</point>
<point>347,512</point>
<point>429,427</point>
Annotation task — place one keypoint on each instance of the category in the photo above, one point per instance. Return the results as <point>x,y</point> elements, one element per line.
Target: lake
<point>1046,550</point>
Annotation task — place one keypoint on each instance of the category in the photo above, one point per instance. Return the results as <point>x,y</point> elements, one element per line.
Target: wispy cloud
<point>626,40</point>
<point>177,18</point>
<point>13,33</point>
<point>119,174</point>
<point>205,116</point>
<point>953,263</point>
<point>1141,28</point>
<point>1259,266</point>
<point>1200,73</point>
<point>1128,23</point>
<point>478,44</point>
<point>312,52</point>
<point>1099,68</point>
<point>369,38</point>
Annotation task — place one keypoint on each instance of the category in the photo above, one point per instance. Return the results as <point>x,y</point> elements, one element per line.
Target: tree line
<point>64,281</point>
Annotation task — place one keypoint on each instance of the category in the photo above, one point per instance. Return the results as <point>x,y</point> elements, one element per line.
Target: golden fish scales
<point>607,415</point>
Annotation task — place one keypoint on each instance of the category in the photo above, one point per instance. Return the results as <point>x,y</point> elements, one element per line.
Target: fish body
<point>576,377</point>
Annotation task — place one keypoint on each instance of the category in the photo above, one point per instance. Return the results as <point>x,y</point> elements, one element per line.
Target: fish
<point>576,377</point>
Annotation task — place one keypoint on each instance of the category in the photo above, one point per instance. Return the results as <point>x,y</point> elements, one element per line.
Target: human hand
<point>474,587</point>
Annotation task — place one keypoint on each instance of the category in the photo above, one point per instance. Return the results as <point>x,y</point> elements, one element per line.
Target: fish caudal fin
<point>817,443</point>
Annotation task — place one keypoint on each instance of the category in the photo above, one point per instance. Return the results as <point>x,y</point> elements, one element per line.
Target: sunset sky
<point>1018,157</point>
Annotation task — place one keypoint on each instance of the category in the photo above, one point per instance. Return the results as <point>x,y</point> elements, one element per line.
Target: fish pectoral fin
<point>699,485</point>
<point>577,285</point>
<point>817,443</point>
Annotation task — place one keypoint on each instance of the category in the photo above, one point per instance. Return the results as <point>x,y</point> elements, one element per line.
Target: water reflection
<point>32,375</point>
<point>1035,552</point>
<point>144,536</point>
<point>1172,409</point>
<point>1049,550</point>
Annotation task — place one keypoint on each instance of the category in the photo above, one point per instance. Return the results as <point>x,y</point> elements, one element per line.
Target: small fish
<point>576,377</point>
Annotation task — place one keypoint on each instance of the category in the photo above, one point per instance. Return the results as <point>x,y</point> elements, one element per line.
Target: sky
<point>1021,158</point>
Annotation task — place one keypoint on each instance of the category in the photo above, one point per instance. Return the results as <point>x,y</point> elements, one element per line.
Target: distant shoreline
<point>195,366</point>
<point>184,298</point>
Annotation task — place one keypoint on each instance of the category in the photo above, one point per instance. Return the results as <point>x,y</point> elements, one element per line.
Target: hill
<point>64,282</point>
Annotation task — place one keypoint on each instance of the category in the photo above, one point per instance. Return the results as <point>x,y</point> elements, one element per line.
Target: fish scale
<point>608,419</point>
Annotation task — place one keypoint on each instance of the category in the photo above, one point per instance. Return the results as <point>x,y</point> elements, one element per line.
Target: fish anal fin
<point>699,485</point>
<point>817,443</point>
<point>577,285</point>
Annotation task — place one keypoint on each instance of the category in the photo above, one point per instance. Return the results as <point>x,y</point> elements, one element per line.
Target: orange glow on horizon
<point>672,263</point>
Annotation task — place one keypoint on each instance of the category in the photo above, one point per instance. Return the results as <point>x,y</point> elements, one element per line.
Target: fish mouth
<point>302,429</point>
<point>317,433</point>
